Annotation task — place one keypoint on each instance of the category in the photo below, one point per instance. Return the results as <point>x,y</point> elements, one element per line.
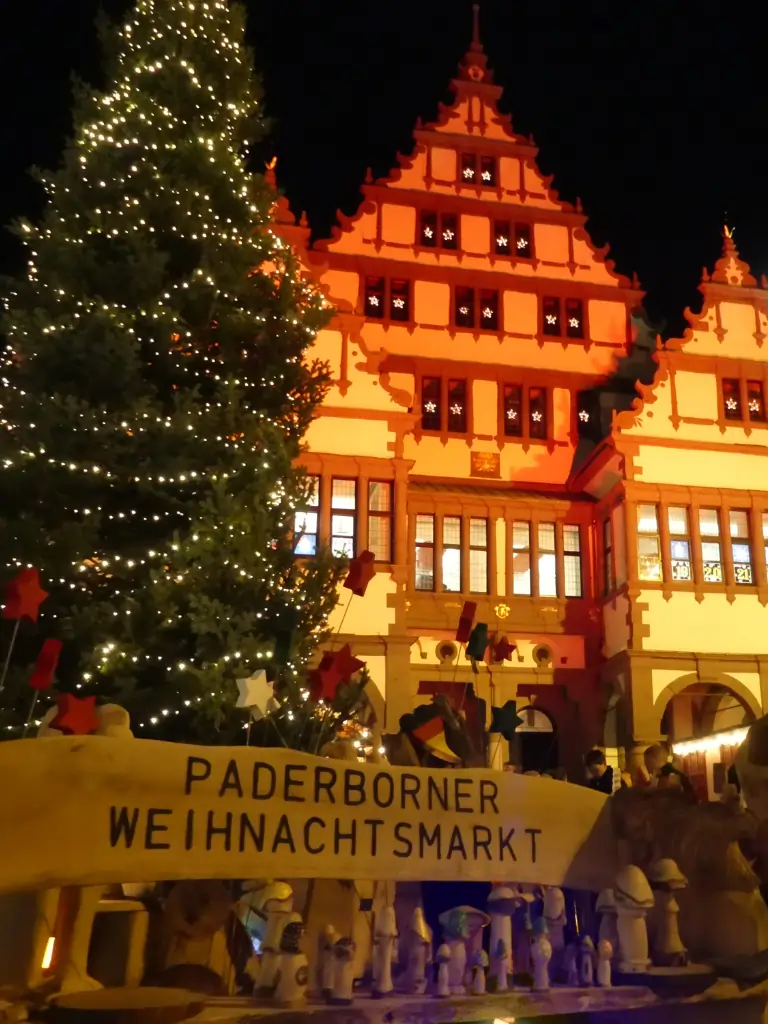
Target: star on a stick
<point>505,720</point>
<point>335,667</point>
<point>361,572</point>
<point>76,716</point>
<point>23,596</point>
<point>256,694</point>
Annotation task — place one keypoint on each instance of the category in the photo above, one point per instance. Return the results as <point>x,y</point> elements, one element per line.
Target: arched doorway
<point>536,741</point>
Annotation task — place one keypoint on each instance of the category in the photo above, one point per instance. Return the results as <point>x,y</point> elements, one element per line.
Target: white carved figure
<point>633,901</point>
<point>327,960</point>
<point>604,957</point>
<point>278,908</point>
<point>541,954</point>
<point>443,959</point>
<point>479,965</point>
<point>501,965</point>
<point>293,975</point>
<point>606,907</point>
<point>666,879</point>
<point>501,904</point>
<point>384,935</point>
<point>587,965</point>
<point>344,974</point>
<point>419,942</point>
<point>554,915</point>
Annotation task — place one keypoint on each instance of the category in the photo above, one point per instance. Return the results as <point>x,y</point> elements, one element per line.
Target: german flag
<point>431,735</point>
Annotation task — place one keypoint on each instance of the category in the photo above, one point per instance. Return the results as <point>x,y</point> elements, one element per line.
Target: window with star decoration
<point>387,300</point>
<point>512,240</point>
<point>438,231</point>
<point>524,412</point>
<point>476,308</point>
<point>562,318</point>
<point>743,399</point>
<point>444,408</point>
<point>478,170</point>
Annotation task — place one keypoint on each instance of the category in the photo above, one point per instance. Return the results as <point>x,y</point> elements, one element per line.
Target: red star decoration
<point>336,667</point>
<point>466,619</point>
<point>23,596</point>
<point>361,572</point>
<point>503,650</point>
<point>77,716</point>
<point>46,664</point>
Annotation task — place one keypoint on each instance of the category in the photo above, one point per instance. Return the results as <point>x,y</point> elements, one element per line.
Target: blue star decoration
<point>505,720</point>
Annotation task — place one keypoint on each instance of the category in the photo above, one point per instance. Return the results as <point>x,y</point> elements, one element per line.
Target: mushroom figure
<point>327,962</point>
<point>523,932</point>
<point>479,965</point>
<point>344,975</point>
<point>606,907</point>
<point>277,906</point>
<point>501,904</point>
<point>666,879</point>
<point>384,935</point>
<point>604,957</point>
<point>419,942</point>
<point>554,915</point>
<point>443,960</point>
<point>293,975</point>
<point>541,954</point>
<point>459,925</point>
<point>587,964</point>
<point>633,901</point>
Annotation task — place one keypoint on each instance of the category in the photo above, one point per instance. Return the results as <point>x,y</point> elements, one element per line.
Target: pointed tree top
<point>473,67</point>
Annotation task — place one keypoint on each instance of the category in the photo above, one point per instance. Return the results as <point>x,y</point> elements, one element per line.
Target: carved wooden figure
<point>501,904</point>
<point>587,965</point>
<point>344,975</point>
<point>278,908</point>
<point>606,907</point>
<point>666,879</point>
<point>384,935</point>
<point>293,975</point>
<point>479,965</point>
<point>604,957</point>
<point>501,965</point>
<point>571,964</point>
<point>541,954</point>
<point>327,960</point>
<point>419,942</point>
<point>443,960</point>
<point>633,901</point>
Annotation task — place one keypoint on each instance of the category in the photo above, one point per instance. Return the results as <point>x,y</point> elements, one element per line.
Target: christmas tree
<point>155,393</point>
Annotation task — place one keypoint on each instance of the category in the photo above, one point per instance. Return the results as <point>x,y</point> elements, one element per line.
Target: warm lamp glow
<point>710,743</point>
<point>48,954</point>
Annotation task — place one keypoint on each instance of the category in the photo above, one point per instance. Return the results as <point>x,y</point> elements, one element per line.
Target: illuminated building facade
<point>478,339</point>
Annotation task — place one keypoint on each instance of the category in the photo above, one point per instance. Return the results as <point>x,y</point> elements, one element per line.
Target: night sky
<point>654,114</point>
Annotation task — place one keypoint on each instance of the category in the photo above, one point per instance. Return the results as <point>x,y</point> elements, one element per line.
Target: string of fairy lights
<point>182,89</point>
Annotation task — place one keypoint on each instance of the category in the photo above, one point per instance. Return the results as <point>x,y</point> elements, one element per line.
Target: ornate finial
<point>728,232</point>
<point>476,46</point>
<point>731,268</point>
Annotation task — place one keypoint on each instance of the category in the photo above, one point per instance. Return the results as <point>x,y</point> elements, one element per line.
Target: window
<point>572,560</point>
<point>431,403</point>
<point>374,297</point>
<point>387,299</point>
<point>380,520</point>
<point>709,530</point>
<point>512,239</point>
<point>478,556</point>
<point>457,406</point>
<point>343,512</point>
<point>524,412</point>
<point>648,545</point>
<point>425,552</point>
<point>732,399</point>
<point>478,309</point>
<point>438,231</point>
<point>537,413</point>
<point>521,558</point>
<point>740,549</point>
<point>477,169</point>
<point>451,560</point>
<point>305,524</point>
<point>574,318</point>
<point>513,410</point>
<point>679,543</point>
<point>755,403</point>
<point>547,560</point>
<point>607,557</point>
<point>551,317</point>
<point>765,537</point>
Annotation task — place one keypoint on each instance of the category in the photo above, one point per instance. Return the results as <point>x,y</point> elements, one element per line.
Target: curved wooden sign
<point>92,810</point>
